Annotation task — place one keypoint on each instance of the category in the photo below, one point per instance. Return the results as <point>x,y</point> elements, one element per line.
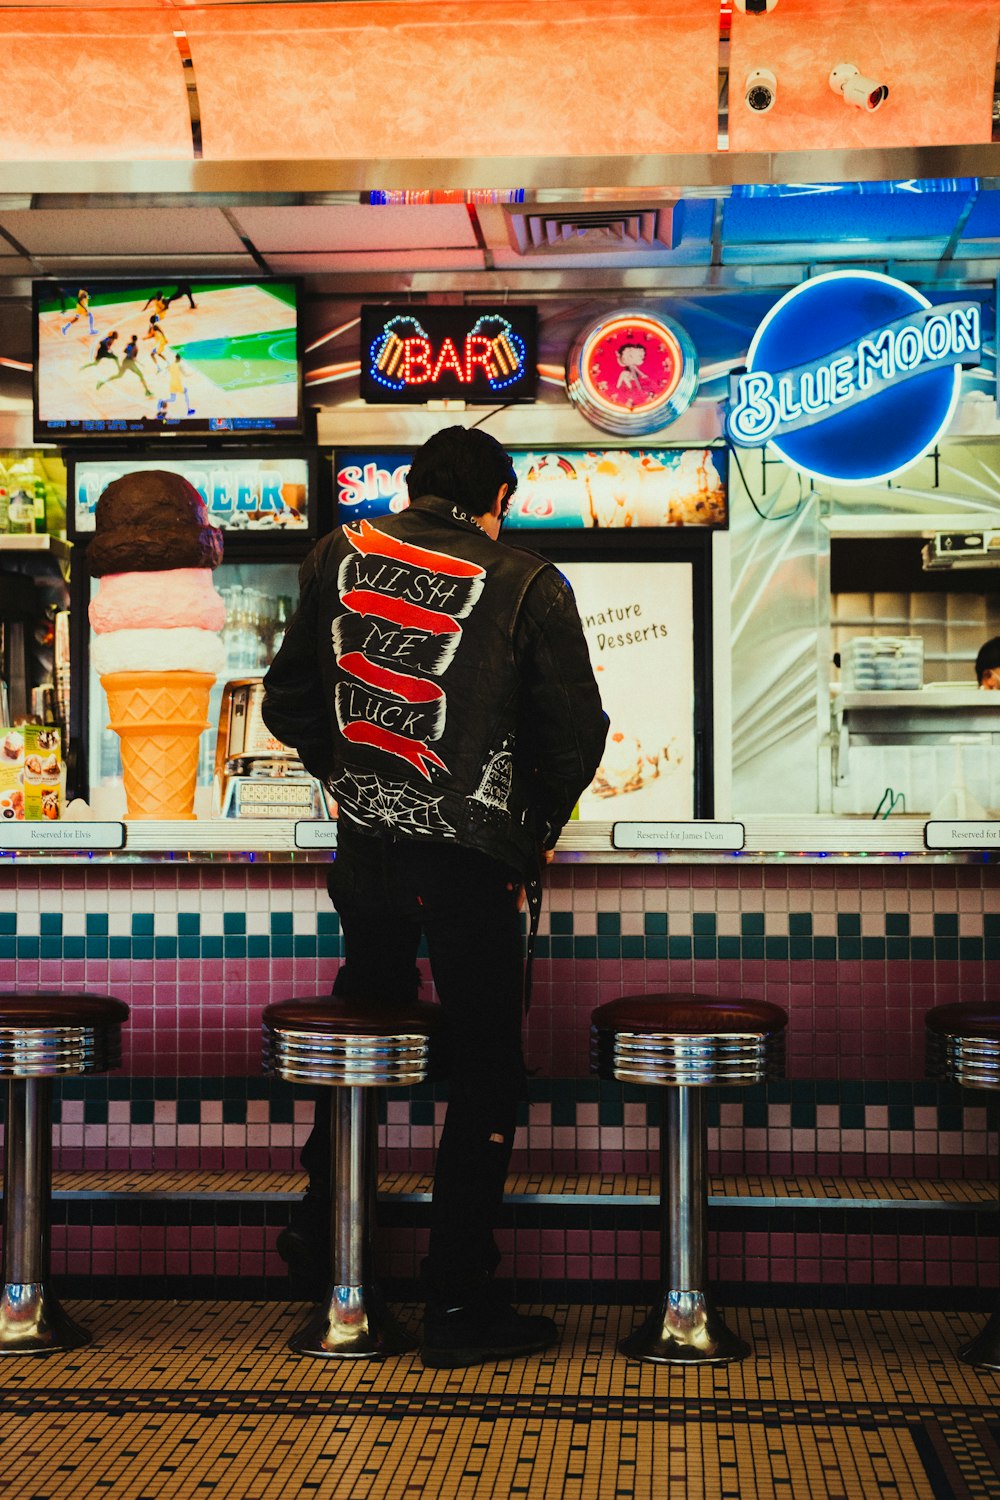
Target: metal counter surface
<point>768,840</point>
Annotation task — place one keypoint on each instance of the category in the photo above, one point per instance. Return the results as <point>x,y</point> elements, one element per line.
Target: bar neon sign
<point>473,354</point>
<point>858,409</point>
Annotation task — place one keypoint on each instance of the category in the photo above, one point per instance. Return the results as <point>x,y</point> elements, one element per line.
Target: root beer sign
<point>400,632</point>
<point>416,354</point>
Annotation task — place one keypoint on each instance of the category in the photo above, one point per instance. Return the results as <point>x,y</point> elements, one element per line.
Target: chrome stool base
<point>984,1349</point>
<point>684,1329</point>
<point>354,1048</point>
<point>352,1323</point>
<point>33,1322</point>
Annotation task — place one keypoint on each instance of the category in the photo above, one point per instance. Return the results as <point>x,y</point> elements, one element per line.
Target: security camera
<point>755,7</point>
<point>863,93</point>
<point>760,90</point>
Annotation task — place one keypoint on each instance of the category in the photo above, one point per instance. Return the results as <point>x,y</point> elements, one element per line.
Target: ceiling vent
<point>584,230</point>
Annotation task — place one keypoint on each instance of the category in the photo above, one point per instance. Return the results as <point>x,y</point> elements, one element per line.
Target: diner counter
<point>753,840</point>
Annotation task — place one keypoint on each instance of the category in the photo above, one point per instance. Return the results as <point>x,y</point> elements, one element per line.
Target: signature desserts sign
<point>638,625</point>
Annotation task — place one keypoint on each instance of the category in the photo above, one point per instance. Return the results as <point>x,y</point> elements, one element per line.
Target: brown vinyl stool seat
<point>685,1044</point>
<point>354,1047</point>
<point>963,1046</point>
<point>43,1035</point>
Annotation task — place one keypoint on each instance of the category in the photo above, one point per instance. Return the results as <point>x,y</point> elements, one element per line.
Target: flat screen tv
<point>121,359</point>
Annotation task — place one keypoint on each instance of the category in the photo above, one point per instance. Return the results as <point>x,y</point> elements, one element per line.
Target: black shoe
<point>481,1331</point>
<point>308,1260</point>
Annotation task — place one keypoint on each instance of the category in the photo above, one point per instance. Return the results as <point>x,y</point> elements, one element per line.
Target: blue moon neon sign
<point>853,375</point>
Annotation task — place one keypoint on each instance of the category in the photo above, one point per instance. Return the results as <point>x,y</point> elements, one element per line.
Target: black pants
<point>388,894</point>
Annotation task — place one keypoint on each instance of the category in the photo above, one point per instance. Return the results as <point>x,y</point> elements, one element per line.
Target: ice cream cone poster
<point>637,619</point>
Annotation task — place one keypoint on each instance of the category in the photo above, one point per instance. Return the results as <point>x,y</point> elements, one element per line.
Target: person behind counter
<point>988,665</point>
<point>440,683</point>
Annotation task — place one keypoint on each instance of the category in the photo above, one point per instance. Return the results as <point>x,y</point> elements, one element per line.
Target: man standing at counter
<point>440,683</point>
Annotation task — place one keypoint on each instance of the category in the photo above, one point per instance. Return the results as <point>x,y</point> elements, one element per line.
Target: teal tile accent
<point>800,947</point>
<point>970,948</point>
<point>121,947</point>
<point>211,947</point>
<point>304,947</point>
<point>95,1112</point>
<point>188,947</point>
<point>141,947</point>
<point>678,947</point>
<point>281,921</point>
<point>188,923</point>
<point>188,1112</point>
<point>945,924</point>
<point>609,947</point>
<point>848,924</point>
<point>328,924</point>
<point>897,923</point>
<point>8,947</point>
<point>234,947</point>
<point>703,923</point>
<point>50,923</point>
<point>946,947</point>
<point>50,947</point>
<point>656,947</point>
<point>633,947</point>
<point>776,948</point>
<point>97,924</point>
<point>27,948</point>
<point>824,948</point>
<point>141,1111</point>
<point>897,947</point>
<point>234,1112</point>
<point>800,923</point>
<point>753,947</point>
<point>8,923</point>
<point>872,947</point>
<point>97,947</point>
<point>560,922</point>
<point>142,923</point>
<point>608,922</point>
<point>585,947</point>
<point>233,923</point>
<point>730,947</point>
<point>655,923</point>
<point>258,946</point>
<point>562,946</point>
<point>705,946</point>
<point>849,947</point>
<point>752,922</point>
<point>165,947</point>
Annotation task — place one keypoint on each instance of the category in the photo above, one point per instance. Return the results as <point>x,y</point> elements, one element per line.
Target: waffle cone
<point>159,717</point>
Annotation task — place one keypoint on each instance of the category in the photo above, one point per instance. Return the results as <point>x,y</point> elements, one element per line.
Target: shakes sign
<point>853,375</point>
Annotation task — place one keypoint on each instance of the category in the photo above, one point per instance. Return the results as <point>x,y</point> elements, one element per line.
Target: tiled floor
<point>176,1400</point>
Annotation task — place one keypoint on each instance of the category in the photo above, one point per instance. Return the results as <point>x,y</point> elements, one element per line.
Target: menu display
<point>246,494</point>
<point>606,489</point>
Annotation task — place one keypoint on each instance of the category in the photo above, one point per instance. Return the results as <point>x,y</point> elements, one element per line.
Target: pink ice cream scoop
<point>168,600</point>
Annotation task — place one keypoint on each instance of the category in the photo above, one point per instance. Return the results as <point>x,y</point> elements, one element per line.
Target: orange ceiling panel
<point>937,57</point>
<point>487,78</point>
<point>92,85</point>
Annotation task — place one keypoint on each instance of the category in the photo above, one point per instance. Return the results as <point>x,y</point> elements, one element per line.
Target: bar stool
<point>42,1036</point>
<point>963,1046</point>
<point>355,1048</point>
<point>686,1043</point>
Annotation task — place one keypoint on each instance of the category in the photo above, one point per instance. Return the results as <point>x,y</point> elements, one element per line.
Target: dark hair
<point>988,659</point>
<point>464,465</point>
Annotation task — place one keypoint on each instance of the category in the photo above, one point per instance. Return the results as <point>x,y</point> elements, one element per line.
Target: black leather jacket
<point>440,683</point>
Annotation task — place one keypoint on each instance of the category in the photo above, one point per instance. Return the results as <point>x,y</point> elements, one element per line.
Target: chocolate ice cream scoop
<point>151,520</point>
